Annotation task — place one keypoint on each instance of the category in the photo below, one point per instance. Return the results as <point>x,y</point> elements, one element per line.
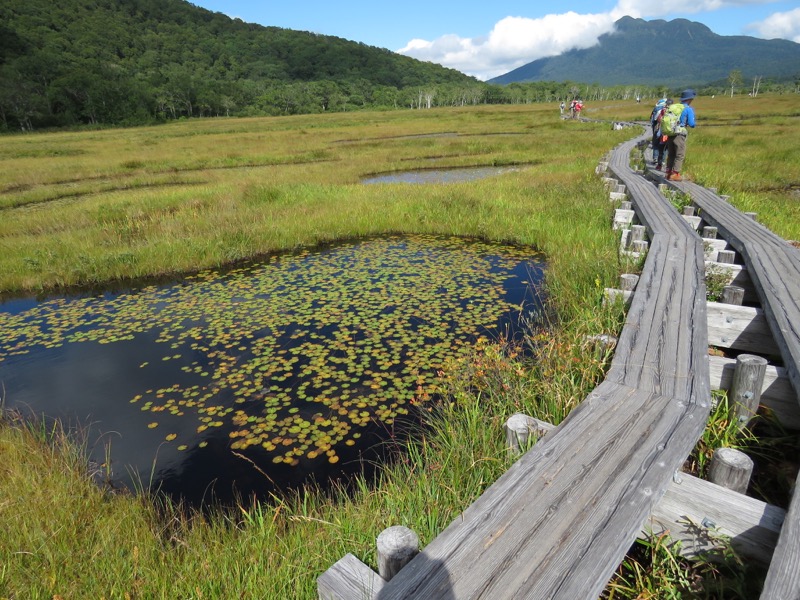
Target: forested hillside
<point>128,62</point>
<point>132,61</point>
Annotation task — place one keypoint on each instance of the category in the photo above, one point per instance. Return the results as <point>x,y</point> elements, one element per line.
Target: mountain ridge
<point>692,55</point>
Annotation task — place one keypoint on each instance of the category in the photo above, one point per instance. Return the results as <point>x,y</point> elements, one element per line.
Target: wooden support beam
<point>699,514</point>
<point>623,218</point>
<point>740,328</point>
<point>349,579</point>
<point>694,222</point>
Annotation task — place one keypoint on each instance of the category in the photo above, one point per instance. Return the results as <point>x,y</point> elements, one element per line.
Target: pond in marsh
<point>265,375</point>
<point>454,175</point>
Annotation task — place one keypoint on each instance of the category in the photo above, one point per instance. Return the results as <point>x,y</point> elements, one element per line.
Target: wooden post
<point>637,234</point>
<point>732,294</point>
<point>710,233</point>
<point>731,468</point>
<point>745,392</point>
<point>626,205</point>
<point>688,211</point>
<point>752,215</point>
<point>628,281</point>
<point>640,246</point>
<point>726,256</point>
<point>396,547</point>
<point>519,428</point>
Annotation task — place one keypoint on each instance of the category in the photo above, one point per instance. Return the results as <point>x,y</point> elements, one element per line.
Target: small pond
<point>454,175</point>
<point>265,375</point>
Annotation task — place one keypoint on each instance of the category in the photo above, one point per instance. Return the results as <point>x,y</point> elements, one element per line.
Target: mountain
<point>664,53</point>
<point>127,61</point>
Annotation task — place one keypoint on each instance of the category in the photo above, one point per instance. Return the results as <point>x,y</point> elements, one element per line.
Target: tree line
<point>133,62</point>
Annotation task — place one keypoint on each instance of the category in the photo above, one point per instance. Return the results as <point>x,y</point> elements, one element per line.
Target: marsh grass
<point>747,148</point>
<point>174,199</point>
<point>124,204</point>
<point>304,190</point>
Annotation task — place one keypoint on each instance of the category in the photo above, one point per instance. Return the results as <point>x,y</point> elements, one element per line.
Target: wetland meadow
<point>240,302</point>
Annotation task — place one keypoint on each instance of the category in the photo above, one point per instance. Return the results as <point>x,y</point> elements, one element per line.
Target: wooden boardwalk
<point>561,519</point>
<point>773,267</point>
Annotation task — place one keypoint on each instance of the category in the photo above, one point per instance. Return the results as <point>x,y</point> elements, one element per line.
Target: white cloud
<point>784,25</point>
<point>513,42</point>
<point>516,41</point>
<point>661,8</point>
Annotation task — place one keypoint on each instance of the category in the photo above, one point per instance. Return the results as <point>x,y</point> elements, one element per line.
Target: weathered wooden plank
<point>774,267</point>
<point>698,514</point>
<point>740,328</point>
<point>349,579</point>
<point>659,349</point>
<point>568,509</point>
<point>777,393</point>
<point>776,276</point>
<point>783,577</point>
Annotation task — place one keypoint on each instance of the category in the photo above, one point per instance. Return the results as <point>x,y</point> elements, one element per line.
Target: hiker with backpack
<point>659,146</point>
<point>677,118</point>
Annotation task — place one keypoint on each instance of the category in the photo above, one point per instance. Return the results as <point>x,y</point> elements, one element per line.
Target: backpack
<point>670,122</point>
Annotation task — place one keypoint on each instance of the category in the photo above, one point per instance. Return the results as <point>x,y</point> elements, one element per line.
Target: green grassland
<point>89,208</point>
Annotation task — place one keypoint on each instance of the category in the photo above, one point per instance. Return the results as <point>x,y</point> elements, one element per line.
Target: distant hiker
<point>674,125</point>
<point>562,107</point>
<point>572,108</point>
<point>659,145</point>
<point>578,109</point>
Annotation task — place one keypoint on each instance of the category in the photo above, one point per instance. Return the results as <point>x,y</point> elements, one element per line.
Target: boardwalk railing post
<point>637,234</point>
<point>745,392</point>
<point>396,547</point>
<point>628,281</point>
<point>732,294</point>
<point>709,232</point>
<point>726,256</point>
<point>731,468</point>
<point>519,428</point>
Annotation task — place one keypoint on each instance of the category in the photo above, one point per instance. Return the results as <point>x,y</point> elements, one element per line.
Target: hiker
<point>674,125</point>
<point>562,107</point>
<point>659,146</point>
<point>578,109</point>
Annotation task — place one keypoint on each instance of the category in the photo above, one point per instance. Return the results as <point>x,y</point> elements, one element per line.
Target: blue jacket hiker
<point>677,130</point>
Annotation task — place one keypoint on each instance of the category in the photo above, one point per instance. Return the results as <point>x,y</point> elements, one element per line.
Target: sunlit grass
<point>121,204</point>
<point>229,189</point>
<point>746,148</point>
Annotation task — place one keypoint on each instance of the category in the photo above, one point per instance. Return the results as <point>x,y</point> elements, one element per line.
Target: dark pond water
<point>456,175</point>
<point>263,376</point>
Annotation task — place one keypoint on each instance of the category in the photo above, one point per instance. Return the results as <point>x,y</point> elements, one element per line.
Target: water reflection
<point>265,375</point>
<point>455,175</point>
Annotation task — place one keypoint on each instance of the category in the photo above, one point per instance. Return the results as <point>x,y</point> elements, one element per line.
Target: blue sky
<point>486,39</point>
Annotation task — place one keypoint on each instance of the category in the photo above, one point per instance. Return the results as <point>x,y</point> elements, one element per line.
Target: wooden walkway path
<point>773,267</point>
<point>561,519</point>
